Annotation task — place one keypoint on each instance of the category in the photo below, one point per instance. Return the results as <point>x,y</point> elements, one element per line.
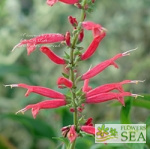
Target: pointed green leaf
<point>125,112</point>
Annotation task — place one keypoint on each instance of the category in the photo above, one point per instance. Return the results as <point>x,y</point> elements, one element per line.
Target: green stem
<point>73,90</point>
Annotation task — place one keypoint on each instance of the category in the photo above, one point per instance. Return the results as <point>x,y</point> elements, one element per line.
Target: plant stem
<point>72,75</point>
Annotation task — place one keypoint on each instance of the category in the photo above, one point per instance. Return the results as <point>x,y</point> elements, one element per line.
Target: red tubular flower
<point>64,81</point>
<point>86,87</point>
<point>67,38</point>
<point>72,135</point>
<point>88,129</point>
<point>109,87</point>
<point>52,2</point>
<point>93,46</point>
<point>47,104</point>
<point>98,98</point>
<point>73,21</point>
<point>41,39</point>
<point>89,122</point>
<point>51,55</point>
<point>39,90</point>
<point>103,65</point>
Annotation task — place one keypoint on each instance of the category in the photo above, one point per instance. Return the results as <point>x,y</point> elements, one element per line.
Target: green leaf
<point>5,143</point>
<point>67,56</point>
<point>125,112</point>
<point>62,139</point>
<point>84,142</point>
<point>35,126</point>
<point>17,69</point>
<point>148,131</point>
<point>136,145</point>
<point>143,102</point>
<point>65,75</point>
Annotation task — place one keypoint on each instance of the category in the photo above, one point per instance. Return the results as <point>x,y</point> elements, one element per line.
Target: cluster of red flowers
<point>88,95</point>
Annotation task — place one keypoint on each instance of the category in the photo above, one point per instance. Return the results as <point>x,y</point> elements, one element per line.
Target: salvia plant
<point>77,98</point>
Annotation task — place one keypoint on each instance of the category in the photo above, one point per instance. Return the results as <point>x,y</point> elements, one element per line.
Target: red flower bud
<point>89,122</point>
<point>39,90</point>
<point>73,21</point>
<point>80,109</point>
<point>47,104</point>
<point>41,39</point>
<point>67,37</point>
<point>72,110</point>
<point>65,131</point>
<point>78,5</point>
<point>64,81</point>
<point>51,55</point>
<point>103,65</point>
<point>88,129</point>
<point>81,35</point>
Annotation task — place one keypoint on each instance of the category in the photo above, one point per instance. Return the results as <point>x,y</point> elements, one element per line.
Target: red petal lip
<point>72,135</point>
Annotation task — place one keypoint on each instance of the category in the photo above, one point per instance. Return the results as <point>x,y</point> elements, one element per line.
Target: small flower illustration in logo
<point>105,132</point>
<point>102,131</point>
<point>113,132</point>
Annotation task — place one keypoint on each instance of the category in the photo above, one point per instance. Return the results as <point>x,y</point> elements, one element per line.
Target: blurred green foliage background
<point>128,25</point>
